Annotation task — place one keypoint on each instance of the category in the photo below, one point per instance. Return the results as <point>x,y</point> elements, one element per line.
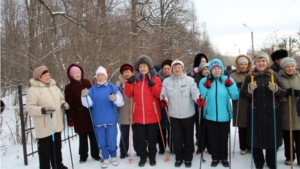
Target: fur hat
<point>101,70</point>
<point>166,62</point>
<point>260,54</point>
<point>281,53</point>
<point>37,73</point>
<point>143,59</point>
<point>286,61</point>
<point>177,62</point>
<point>126,66</point>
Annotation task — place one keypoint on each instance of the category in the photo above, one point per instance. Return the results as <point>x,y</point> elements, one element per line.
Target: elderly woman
<point>291,79</point>
<point>44,102</point>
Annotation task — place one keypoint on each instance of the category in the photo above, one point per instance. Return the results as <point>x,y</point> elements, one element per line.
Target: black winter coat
<point>263,118</point>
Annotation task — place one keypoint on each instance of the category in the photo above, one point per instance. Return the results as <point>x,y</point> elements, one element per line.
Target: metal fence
<point>27,129</point>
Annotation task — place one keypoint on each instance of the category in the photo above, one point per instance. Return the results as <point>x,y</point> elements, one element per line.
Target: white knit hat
<point>101,70</point>
<point>260,54</point>
<point>177,62</point>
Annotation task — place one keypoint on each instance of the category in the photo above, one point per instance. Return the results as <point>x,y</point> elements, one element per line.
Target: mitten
<point>239,84</point>
<point>207,84</point>
<point>151,83</point>
<point>228,82</point>
<point>200,102</point>
<point>252,86</point>
<point>112,97</point>
<point>70,122</point>
<point>273,87</point>
<point>163,103</point>
<point>65,106</point>
<point>296,93</point>
<point>131,80</point>
<point>289,92</point>
<point>84,92</point>
<point>47,110</point>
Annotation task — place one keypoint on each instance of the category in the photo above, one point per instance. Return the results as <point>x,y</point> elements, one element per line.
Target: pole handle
<point>252,78</point>
<point>272,78</point>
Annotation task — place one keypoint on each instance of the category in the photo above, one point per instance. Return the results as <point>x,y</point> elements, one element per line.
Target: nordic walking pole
<point>94,128</point>
<point>53,140</point>
<point>274,119</point>
<point>236,121</point>
<point>229,135</point>
<point>167,159</point>
<point>130,124</point>
<point>252,123</point>
<point>291,133</point>
<point>68,134</point>
<point>203,135</point>
<point>170,132</point>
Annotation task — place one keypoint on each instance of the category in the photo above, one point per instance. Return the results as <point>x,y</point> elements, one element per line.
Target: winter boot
<point>143,161</point>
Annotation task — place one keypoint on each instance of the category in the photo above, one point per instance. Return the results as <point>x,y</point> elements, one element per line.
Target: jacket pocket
<point>185,91</point>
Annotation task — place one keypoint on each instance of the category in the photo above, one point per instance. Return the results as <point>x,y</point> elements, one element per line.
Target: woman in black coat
<point>263,113</point>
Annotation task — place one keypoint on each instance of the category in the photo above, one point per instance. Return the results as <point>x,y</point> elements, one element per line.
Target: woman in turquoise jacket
<point>217,89</point>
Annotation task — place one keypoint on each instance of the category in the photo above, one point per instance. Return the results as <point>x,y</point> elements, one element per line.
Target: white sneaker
<point>243,152</point>
<point>105,163</point>
<point>114,161</point>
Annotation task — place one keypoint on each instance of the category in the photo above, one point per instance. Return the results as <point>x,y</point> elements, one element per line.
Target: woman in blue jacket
<point>217,89</point>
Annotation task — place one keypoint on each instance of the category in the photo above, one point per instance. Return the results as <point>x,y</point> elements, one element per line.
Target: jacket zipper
<point>143,99</point>
<point>217,117</point>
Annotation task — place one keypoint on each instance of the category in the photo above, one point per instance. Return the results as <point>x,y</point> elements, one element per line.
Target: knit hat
<point>166,62</point>
<point>177,62</point>
<point>215,64</point>
<point>37,73</point>
<point>74,69</point>
<point>281,53</point>
<point>143,59</point>
<point>242,59</point>
<point>260,54</point>
<point>126,66</point>
<point>202,66</point>
<point>286,61</point>
<point>101,70</point>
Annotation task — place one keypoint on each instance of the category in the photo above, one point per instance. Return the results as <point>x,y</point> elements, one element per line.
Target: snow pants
<point>107,140</point>
<point>296,147</point>
<point>84,147</point>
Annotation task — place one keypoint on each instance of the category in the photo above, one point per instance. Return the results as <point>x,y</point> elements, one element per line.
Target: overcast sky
<point>225,18</point>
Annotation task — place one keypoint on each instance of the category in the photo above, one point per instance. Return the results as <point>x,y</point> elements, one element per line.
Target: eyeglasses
<point>177,67</point>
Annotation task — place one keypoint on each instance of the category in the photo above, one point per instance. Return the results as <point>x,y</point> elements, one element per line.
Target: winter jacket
<point>124,111</point>
<point>181,93</point>
<point>78,113</point>
<point>275,67</point>
<point>218,107</point>
<point>239,76</point>
<point>104,111</point>
<point>145,98</point>
<point>39,96</point>
<point>298,106</point>
<point>263,109</point>
<point>290,82</point>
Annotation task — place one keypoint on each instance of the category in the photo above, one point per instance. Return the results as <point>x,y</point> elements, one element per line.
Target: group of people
<point>162,107</point>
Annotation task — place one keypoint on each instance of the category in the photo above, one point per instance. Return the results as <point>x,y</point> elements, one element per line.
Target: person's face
<point>177,69</point>
<point>45,78</point>
<point>77,75</point>
<point>205,71</point>
<point>126,74</point>
<point>278,61</point>
<point>166,70</point>
<point>289,69</point>
<point>216,71</point>
<point>261,64</point>
<point>143,68</point>
<point>243,67</point>
<point>203,60</point>
<point>101,77</point>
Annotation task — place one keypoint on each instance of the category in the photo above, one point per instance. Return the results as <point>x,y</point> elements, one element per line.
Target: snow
<point>13,158</point>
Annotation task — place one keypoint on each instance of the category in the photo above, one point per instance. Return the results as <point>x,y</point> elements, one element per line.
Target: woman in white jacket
<point>45,98</point>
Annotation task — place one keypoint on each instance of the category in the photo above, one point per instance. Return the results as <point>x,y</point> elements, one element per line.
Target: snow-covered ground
<point>13,158</point>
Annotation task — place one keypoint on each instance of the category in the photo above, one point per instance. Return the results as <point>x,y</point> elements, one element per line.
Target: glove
<point>47,110</point>
<point>112,97</point>
<point>228,82</point>
<point>163,103</point>
<point>84,92</point>
<point>151,83</point>
<point>207,84</point>
<point>65,106</point>
<point>131,80</point>
<point>296,93</point>
<point>289,92</point>
<point>252,86</point>
<point>200,102</point>
<point>273,87</point>
<point>70,123</point>
<point>239,84</point>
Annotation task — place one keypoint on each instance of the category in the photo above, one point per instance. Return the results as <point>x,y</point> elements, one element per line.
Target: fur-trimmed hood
<point>139,77</point>
<point>237,65</point>
<point>143,59</point>
<point>37,83</point>
<point>268,72</point>
<point>198,58</point>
